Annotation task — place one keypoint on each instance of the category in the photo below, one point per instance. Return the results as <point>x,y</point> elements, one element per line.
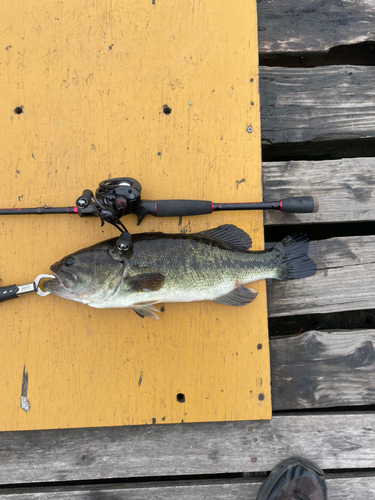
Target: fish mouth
<point>62,281</point>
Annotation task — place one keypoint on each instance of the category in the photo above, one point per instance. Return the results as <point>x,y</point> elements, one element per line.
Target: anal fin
<point>240,296</point>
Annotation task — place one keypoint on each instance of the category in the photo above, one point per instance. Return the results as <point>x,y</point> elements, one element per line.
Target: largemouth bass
<point>211,265</point>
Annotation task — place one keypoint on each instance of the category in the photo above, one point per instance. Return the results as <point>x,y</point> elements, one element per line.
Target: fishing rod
<point>115,198</point>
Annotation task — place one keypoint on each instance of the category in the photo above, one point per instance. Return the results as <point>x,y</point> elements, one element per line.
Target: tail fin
<point>294,261</point>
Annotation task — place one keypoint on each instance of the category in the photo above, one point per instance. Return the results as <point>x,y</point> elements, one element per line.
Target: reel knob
<point>85,199</point>
<point>120,204</point>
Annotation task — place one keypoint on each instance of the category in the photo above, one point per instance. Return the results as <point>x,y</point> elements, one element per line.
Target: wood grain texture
<point>93,79</point>
<point>313,26</point>
<point>317,104</point>
<point>344,188</point>
<point>221,490</point>
<point>333,440</point>
<point>323,369</point>
<point>340,487</point>
<point>344,280</point>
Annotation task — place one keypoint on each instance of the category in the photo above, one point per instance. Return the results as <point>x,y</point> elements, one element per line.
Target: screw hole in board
<point>167,110</point>
<point>181,397</point>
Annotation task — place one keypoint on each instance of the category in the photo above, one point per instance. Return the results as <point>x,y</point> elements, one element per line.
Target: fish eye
<point>69,261</point>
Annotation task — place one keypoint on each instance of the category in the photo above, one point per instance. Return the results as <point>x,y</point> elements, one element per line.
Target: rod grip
<point>299,205</point>
<point>8,292</point>
<point>178,208</point>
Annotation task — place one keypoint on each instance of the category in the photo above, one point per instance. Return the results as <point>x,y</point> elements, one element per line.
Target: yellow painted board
<point>92,79</point>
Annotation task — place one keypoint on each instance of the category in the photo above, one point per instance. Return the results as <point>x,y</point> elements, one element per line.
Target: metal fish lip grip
<point>115,198</point>
<point>15,291</point>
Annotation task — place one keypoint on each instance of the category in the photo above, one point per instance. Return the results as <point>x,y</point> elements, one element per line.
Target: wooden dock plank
<point>340,487</point>
<point>323,369</point>
<point>344,188</point>
<point>317,104</point>
<point>334,440</point>
<point>344,280</point>
<point>313,26</point>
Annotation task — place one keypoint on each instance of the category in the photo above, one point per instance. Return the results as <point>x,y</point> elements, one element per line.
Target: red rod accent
<point>156,209</point>
<point>212,207</point>
<point>76,210</point>
<point>281,204</point>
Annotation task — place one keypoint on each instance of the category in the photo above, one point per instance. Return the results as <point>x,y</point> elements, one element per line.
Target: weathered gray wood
<point>343,252</point>
<point>317,104</point>
<point>237,489</point>
<point>345,280</point>
<point>323,369</point>
<point>345,189</point>
<point>313,25</point>
<point>340,487</point>
<point>333,440</point>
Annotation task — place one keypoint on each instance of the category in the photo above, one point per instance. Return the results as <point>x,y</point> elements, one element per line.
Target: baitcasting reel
<point>113,199</point>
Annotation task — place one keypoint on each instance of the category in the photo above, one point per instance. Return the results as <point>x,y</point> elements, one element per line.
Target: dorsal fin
<point>231,235</point>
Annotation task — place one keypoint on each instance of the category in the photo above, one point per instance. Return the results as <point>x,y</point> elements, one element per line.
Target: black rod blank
<point>42,211</point>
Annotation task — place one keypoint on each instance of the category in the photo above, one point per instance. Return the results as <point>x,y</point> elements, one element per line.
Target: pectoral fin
<point>145,310</point>
<point>148,282</point>
<point>240,296</point>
